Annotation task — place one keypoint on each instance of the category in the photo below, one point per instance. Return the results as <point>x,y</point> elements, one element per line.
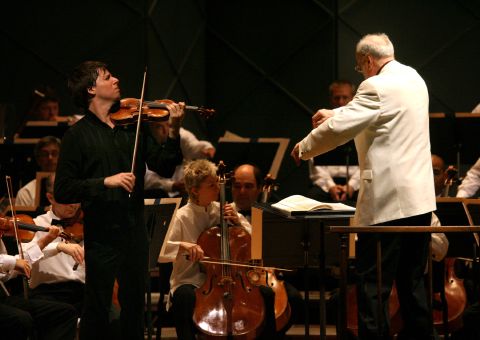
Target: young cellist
<point>200,213</point>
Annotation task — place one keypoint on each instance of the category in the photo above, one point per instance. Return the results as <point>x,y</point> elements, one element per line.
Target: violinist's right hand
<point>125,180</point>
<point>23,267</point>
<point>75,250</point>
<point>193,250</point>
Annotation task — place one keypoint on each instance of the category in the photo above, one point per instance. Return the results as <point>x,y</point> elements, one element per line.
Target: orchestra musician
<point>54,276</point>
<point>388,117</point>
<point>21,318</point>
<point>246,189</point>
<point>329,182</point>
<point>471,183</point>
<point>95,169</point>
<point>46,155</point>
<point>192,148</point>
<point>200,213</point>
<point>45,105</point>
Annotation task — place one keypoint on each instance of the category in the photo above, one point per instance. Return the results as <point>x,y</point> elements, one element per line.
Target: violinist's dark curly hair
<point>81,79</point>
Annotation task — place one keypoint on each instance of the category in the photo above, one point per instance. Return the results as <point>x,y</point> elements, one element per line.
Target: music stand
<point>158,214</point>
<point>32,131</point>
<point>444,139</point>
<point>345,154</point>
<point>452,211</point>
<point>266,153</point>
<point>467,126</point>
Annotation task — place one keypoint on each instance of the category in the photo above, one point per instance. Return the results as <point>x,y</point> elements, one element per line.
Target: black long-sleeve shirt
<point>91,151</point>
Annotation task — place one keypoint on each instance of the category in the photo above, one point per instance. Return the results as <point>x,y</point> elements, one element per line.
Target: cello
<point>227,304</point>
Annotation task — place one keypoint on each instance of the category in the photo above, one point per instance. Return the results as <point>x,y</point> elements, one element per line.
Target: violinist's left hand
<point>52,234</point>
<point>231,215</point>
<point>177,112</point>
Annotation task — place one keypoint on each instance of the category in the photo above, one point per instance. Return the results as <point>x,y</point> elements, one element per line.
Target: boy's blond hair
<point>195,173</point>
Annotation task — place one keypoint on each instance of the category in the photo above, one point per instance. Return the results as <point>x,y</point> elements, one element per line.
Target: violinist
<point>54,276</point>
<point>200,213</point>
<point>22,319</point>
<point>95,169</point>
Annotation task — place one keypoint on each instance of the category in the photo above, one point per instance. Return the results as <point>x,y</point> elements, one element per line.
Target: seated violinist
<point>54,276</point>
<point>199,214</point>
<point>21,318</point>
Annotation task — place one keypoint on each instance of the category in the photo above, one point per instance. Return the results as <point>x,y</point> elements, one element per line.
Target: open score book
<point>298,203</point>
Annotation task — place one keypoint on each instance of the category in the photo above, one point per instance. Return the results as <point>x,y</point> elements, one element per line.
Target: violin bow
<point>236,263</point>
<point>137,133</point>
<point>15,228</point>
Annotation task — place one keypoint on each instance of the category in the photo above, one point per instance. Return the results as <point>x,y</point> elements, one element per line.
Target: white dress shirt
<point>471,182</point>
<point>322,175</point>
<point>26,194</point>
<point>31,253</point>
<point>55,266</point>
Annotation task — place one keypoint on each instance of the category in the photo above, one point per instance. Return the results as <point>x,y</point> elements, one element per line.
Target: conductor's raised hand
<point>125,180</point>
<point>321,116</point>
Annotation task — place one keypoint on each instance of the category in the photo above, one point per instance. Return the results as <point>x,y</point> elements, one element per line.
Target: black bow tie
<point>57,223</point>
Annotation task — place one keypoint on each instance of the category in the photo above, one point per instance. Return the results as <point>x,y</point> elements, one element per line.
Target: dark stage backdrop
<point>264,65</point>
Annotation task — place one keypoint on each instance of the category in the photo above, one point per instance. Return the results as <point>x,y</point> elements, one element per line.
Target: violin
<point>227,304</point>
<point>27,228</point>
<point>73,226</point>
<point>152,111</point>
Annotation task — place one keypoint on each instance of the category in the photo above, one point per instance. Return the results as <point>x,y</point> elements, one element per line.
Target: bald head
<point>246,186</point>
